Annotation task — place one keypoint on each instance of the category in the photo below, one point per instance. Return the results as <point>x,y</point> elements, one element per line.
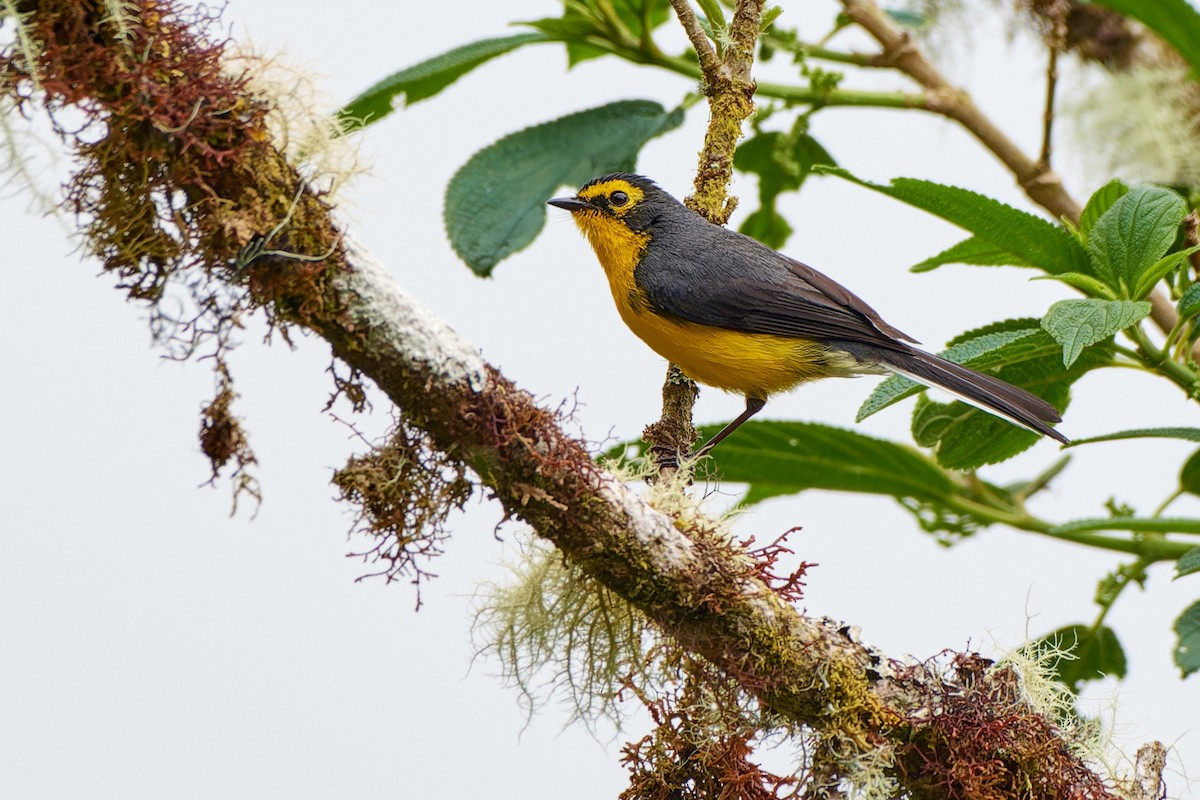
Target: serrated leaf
<point>1188,563</point>
<point>1135,233</point>
<point>777,457</point>
<point>1160,269</point>
<point>1187,434</point>
<point>974,251</point>
<point>427,78</point>
<point>986,348</point>
<point>1030,238</point>
<point>1189,303</point>
<point>496,202</point>
<point>1176,21</point>
<point>1076,324</point>
<point>1100,201</point>
<point>1079,654</point>
<point>1187,642</point>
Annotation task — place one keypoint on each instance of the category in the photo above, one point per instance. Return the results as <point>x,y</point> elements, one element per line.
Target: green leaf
<point>1076,324</point>
<point>767,226</point>
<point>966,437</point>
<point>1176,21</point>
<point>1134,233</point>
<point>782,162</point>
<point>777,457</point>
<point>1189,303</point>
<point>1187,645</point>
<point>975,251</point>
<point>713,13</point>
<point>1089,285</point>
<point>427,78</point>
<point>1031,239</point>
<point>1159,270</point>
<point>1188,563</point>
<point>1189,474</point>
<point>496,202</point>
<point>1080,654</point>
<point>769,16</point>
<point>1187,434</point>
<point>586,18</point>
<point>1100,201</point>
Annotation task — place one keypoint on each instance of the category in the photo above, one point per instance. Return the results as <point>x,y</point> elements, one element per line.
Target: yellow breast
<point>752,364</point>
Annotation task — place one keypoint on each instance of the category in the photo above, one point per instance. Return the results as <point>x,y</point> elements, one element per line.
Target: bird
<point>737,315</point>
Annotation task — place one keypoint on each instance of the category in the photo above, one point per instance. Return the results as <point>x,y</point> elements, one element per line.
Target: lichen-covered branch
<point>254,230</point>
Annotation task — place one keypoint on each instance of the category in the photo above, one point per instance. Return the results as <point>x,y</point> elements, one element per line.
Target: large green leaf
<point>1080,323</point>
<point>1176,21</point>
<point>1080,654</point>
<point>1029,238</point>
<point>976,251</point>
<point>777,457</point>
<point>1187,643</point>
<point>427,78</point>
<point>1133,234</point>
<point>496,203</point>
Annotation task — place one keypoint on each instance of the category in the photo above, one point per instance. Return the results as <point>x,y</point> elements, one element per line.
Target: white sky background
<point>153,646</point>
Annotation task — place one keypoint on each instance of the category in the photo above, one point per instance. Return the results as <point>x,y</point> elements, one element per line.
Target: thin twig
<point>1057,41</point>
<point>710,65</point>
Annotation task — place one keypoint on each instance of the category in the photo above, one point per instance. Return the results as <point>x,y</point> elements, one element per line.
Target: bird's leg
<point>753,406</point>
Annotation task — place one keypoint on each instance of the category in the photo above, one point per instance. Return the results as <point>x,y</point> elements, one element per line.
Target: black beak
<point>571,204</point>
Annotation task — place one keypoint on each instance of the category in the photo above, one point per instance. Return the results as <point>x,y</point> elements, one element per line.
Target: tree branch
<point>1042,184</point>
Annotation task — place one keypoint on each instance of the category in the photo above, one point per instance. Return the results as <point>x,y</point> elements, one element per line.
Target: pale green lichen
<point>558,634</point>
<point>1141,125</point>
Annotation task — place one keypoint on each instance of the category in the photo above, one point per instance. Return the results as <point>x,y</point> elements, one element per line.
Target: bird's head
<point>630,201</point>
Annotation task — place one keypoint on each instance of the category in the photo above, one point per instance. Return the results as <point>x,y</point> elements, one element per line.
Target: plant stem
<point>1161,362</point>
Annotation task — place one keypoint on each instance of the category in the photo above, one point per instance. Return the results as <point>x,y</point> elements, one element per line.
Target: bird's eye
<point>618,198</point>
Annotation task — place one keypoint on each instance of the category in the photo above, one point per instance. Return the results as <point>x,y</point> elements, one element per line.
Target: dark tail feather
<point>992,394</point>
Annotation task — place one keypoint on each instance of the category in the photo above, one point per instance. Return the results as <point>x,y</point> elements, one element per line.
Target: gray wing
<point>742,285</point>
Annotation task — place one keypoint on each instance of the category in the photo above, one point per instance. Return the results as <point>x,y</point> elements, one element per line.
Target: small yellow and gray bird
<point>737,315</point>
